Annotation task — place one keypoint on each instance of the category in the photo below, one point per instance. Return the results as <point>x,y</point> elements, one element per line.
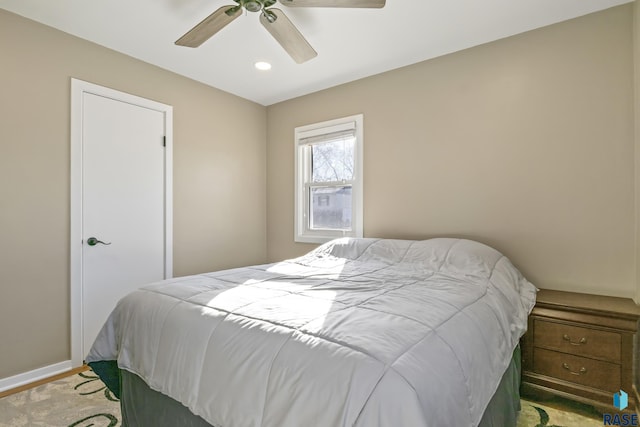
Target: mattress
<point>359,332</point>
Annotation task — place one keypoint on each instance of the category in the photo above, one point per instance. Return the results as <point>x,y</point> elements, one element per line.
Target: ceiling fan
<point>273,19</point>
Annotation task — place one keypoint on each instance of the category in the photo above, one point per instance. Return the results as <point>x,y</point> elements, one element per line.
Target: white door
<point>123,236</point>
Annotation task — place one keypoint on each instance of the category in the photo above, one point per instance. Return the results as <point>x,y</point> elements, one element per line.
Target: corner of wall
<point>636,108</point>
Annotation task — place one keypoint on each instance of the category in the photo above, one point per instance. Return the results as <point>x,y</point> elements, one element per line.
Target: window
<point>328,194</point>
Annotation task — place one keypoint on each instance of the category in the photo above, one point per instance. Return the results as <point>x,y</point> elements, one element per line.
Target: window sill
<point>321,237</point>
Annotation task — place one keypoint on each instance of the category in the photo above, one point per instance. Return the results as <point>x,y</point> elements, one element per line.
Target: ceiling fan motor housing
<point>252,5</point>
<point>255,5</point>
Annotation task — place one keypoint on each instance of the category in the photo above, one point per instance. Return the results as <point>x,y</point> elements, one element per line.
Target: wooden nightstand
<point>580,347</point>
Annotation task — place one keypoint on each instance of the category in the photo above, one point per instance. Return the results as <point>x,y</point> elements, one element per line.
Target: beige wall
<point>525,144</point>
<point>219,179</point>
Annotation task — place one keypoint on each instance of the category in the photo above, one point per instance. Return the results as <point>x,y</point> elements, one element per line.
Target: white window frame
<point>303,233</point>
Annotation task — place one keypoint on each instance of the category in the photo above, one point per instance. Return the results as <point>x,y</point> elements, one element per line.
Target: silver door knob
<point>92,241</point>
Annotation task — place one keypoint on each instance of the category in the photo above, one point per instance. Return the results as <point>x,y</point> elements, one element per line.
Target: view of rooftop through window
<point>332,165</point>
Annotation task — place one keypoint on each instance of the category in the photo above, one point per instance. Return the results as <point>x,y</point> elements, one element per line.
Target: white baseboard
<point>35,375</point>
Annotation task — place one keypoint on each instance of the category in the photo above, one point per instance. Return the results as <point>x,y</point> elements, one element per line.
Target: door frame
<point>78,89</point>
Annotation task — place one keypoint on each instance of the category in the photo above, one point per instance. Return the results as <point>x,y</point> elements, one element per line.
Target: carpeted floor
<point>83,401</point>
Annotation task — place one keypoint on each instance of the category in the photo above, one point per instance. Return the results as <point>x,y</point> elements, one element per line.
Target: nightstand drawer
<point>576,369</point>
<point>577,340</point>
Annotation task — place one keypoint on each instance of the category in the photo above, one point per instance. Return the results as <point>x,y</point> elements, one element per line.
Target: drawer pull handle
<point>582,370</point>
<point>566,337</point>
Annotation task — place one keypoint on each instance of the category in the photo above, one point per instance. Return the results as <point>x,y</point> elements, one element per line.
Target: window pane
<point>330,208</point>
<point>333,161</point>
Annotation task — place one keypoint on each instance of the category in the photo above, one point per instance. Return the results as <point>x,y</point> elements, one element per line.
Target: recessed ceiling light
<point>262,66</point>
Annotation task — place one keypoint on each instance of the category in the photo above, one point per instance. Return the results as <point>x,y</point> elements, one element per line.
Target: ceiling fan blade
<point>283,30</point>
<point>334,3</point>
<point>209,26</point>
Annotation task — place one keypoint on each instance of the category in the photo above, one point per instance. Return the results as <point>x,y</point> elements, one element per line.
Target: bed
<point>358,332</point>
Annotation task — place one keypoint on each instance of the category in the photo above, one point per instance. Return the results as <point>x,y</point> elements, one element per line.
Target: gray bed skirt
<point>142,406</point>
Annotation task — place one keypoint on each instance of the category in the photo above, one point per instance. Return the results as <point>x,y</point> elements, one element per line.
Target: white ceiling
<point>351,43</point>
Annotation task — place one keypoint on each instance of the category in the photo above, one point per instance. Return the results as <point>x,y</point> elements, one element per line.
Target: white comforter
<point>359,332</point>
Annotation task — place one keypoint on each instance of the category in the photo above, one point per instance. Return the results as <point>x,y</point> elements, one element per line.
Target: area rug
<point>557,413</point>
<point>82,400</point>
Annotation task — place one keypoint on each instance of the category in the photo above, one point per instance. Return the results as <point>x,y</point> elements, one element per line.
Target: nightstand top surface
<point>588,302</point>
